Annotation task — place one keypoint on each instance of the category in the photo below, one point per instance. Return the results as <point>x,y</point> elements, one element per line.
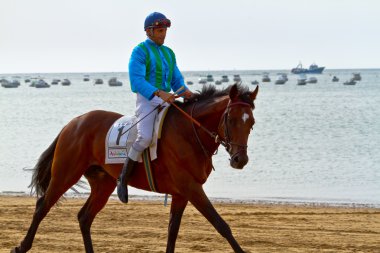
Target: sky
<point>49,36</point>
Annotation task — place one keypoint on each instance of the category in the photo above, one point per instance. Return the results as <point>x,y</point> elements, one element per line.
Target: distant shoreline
<point>183,71</point>
<point>221,200</point>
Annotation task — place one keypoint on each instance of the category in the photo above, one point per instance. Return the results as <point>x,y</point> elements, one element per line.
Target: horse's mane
<point>210,92</point>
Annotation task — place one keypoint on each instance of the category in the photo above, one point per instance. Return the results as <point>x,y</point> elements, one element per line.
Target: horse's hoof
<point>15,250</point>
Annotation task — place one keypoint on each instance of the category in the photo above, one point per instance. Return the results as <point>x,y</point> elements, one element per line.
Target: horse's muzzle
<point>239,160</point>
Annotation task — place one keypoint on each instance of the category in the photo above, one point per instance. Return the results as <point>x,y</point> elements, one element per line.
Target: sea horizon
<point>184,71</point>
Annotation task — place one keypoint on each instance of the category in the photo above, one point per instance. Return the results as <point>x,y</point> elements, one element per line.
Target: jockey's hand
<point>187,94</point>
<point>167,97</point>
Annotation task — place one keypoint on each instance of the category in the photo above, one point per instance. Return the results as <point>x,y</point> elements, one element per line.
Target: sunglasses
<point>161,23</point>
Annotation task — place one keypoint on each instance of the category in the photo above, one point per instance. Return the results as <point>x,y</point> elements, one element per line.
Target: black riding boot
<point>125,176</point>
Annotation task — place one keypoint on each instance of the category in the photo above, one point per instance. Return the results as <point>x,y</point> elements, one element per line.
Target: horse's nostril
<point>236,159</point>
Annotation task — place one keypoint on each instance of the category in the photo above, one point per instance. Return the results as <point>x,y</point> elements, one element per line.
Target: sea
<point>311,144</point>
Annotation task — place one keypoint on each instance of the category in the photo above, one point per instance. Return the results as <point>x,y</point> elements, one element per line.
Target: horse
<point>183,164</point>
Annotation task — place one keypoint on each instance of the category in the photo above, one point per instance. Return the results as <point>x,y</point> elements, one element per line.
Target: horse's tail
<point>42,171</point>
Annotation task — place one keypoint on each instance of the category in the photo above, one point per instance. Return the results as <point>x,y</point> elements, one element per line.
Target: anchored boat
<point>313,69</point>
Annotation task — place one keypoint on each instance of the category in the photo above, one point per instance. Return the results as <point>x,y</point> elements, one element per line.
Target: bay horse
<point>183,165</point>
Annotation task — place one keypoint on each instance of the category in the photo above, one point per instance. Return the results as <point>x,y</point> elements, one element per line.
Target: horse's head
<point>236,125</point>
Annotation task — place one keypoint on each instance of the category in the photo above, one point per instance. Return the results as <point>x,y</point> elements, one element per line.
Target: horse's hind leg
<point>176,211</point>
<point>26,244</point>
<point>102,186</point>
<point>43,206</point>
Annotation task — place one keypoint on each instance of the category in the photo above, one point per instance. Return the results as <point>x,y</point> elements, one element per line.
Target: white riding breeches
<point>146,125</point>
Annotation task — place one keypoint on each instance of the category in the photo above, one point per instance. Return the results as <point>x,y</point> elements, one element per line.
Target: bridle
<point>226,141</point>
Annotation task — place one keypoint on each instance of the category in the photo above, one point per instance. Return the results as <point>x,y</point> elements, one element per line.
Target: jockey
<point>153,73</point>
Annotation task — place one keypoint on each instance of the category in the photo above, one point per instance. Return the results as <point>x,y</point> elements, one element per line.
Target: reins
<point>225,142</point>
<point>155,108</point>
<point>213,135</point>
<point>197,137</point>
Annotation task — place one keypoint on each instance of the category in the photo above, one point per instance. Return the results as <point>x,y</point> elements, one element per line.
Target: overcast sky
<point>99,35</point>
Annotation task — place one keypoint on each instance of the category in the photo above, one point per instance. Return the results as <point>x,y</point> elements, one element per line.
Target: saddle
<point>122,135</point>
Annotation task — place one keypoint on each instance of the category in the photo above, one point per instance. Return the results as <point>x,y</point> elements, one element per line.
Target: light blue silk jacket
<point>152,68</point>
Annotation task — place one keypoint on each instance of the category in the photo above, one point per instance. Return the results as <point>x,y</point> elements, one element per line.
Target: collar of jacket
<point>148,40</point>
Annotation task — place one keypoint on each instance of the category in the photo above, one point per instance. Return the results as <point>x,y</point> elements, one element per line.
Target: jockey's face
<point>157,35</point>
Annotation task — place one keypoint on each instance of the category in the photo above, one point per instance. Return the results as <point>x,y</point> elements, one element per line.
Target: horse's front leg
<point>177,208</point>
<point>201,202</point>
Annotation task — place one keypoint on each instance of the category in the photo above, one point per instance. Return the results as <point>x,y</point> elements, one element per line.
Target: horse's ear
<point>233,91</point>
<point>254,93</point>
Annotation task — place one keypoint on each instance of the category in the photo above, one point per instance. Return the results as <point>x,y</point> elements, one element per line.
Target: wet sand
<point>141,226</point>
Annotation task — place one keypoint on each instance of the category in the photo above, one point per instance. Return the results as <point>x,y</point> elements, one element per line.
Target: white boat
<point>335,79</point>
<point>66,82</point>
<point>237,78</point>
<point>6,84</point>
<point>357,77</point>
<point>15,82</point>
<point>98,81</point>
<point>40,84</point>
<point>301,80</point>
<point>280,80</point>
<point>55,81</point>
<point>114,82</point>
<point>202,80</point>
<point>265,78</point>
<point>350,82</point>
<point>209,78</point>
<point>255,82</point>
<point>284,75</point>
<point>218,82</point>
<point>312,79</point>
<point>225,79</point>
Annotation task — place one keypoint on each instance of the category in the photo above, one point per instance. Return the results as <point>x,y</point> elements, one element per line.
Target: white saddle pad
<point>121,136</point>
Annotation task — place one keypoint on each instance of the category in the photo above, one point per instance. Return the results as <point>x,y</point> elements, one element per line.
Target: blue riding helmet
<point>156,20</point>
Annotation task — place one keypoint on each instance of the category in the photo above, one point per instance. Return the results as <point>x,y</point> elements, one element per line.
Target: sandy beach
<point>141,226</point>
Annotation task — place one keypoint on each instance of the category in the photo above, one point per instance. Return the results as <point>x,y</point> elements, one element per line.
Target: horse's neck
<point>212,110</point>
<point>209,115</point>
